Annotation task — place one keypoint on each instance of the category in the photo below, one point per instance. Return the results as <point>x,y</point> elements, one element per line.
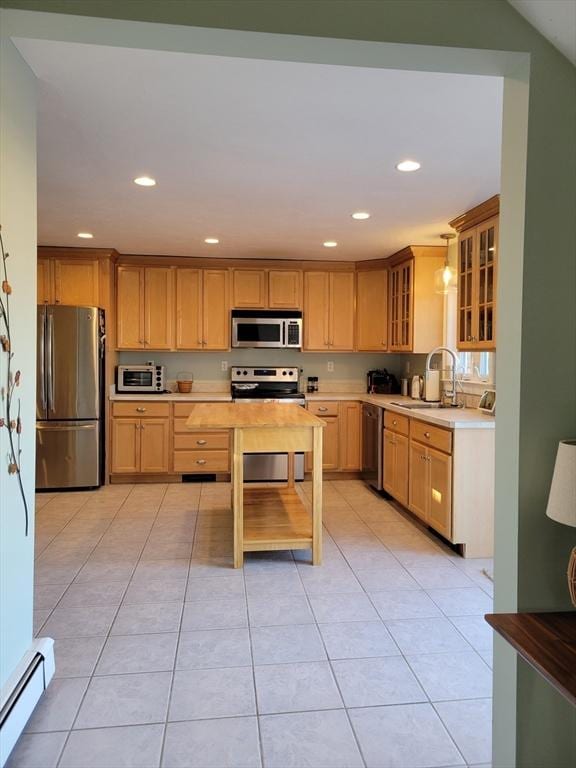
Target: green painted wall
<point>18,221</point>
<point>537,330</point>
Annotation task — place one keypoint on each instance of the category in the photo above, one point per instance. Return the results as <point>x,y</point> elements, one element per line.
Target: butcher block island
<point>269,518</point>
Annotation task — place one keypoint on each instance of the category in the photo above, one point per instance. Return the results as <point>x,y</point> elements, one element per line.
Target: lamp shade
<point>562,499</point>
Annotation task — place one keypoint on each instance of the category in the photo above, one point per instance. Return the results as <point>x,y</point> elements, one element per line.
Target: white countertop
<point>450,418</point>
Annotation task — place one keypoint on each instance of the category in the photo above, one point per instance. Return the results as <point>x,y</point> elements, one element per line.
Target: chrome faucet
<point>450,395</point>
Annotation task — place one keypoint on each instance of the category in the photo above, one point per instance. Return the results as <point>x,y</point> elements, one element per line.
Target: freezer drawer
<point>68,454</point>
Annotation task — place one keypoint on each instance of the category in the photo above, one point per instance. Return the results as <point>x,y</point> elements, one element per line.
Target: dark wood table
<point>547,641</point>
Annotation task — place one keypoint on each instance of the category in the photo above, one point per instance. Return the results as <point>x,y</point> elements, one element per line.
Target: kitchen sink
<point>423,404</point>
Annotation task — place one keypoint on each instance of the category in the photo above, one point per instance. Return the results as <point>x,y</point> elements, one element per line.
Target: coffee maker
<point>380,382</point>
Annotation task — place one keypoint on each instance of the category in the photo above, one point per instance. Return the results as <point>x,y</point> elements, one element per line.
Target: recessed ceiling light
<point>408,165</point>
<point>361,215</point>
<point>330,244</point>
<point>145,181</point>
<point>212,240</point>
<point>85,235</point>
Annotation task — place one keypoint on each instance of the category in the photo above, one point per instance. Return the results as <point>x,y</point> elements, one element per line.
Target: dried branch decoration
<point>8,419</point>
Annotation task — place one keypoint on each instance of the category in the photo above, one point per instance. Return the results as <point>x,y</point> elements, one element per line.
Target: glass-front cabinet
<point>477,274</point>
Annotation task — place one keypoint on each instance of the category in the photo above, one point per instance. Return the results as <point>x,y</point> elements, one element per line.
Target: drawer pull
<point>427,434</point>
<point>140,410</point>
<point>200,461</point>
<point>322,409</point>
<point>394,422</point>
<point>200,442</point>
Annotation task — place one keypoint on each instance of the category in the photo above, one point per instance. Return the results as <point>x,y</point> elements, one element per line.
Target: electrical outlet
<point>330,366</point>
<point>224,365</point>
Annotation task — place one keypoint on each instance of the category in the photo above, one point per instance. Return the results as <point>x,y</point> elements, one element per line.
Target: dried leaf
<point>19,426</point>
<point>12,468</point>
<point>17,378</point>
<point>5,343</point>
<point>12,424</point>
<point>1,422</point>
<point>6,287</point>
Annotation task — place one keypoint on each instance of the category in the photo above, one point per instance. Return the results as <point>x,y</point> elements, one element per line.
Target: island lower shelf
<point>275,518</point>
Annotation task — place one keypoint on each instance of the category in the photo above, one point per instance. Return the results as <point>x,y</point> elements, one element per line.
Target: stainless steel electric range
<point>268,385</point>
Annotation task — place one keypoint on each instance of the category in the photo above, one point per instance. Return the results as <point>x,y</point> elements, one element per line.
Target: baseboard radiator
<point>22,691</point>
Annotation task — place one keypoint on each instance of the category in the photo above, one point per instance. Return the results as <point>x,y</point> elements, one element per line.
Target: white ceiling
<point>271,157</point>
<point>555,19</point>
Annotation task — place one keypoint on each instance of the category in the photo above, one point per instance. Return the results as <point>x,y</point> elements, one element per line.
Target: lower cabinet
<point>430,481</point>
<point>396,465</point>
<point>140,438</point>
<point>342,435</point>
<point>195,452</point>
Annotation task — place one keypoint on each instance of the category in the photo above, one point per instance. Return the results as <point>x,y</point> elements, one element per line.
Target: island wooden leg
<point>317,496</point>
<point>290,483</point>
<point>238,496</point>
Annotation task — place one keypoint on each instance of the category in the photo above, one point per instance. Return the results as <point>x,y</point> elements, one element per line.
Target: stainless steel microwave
<point>267,328</point>
<point>141,379</point>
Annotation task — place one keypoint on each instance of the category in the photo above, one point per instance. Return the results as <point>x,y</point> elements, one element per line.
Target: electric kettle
<point>416,387</point>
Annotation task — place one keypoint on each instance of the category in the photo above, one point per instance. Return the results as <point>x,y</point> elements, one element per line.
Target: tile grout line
<point>173,673</point>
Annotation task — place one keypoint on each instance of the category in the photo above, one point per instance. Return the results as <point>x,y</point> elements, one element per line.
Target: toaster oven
<point>140,379</point>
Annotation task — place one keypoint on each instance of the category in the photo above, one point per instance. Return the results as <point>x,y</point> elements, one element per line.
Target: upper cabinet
<point>266,288</point>
<point>477,274</point>
<point>145,307</point>
<point>372,310</point>
<point>329,309</point>
<point>74,276</point>
<point>415,311</point>
<point>172,308</point>
<point>202,314</point>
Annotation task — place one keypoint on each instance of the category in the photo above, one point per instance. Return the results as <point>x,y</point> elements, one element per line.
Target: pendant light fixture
<point>445,279</point>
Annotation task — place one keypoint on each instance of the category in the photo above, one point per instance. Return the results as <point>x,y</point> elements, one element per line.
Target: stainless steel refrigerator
<point>69,397</point>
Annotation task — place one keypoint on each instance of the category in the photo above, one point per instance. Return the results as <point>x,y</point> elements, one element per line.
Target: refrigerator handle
<point>42,365</point>
<point>50,366</point>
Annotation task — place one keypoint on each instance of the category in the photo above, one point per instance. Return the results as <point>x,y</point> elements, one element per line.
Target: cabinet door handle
<point>140,410</point>
<point>427,434</point>
<point>200,442</point>
<point>200,461</point>
<point>142,426</point>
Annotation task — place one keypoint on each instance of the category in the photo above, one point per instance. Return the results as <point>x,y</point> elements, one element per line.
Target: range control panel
<point>264,374</point>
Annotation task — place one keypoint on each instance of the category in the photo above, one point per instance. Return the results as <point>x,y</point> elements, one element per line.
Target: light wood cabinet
<point>71,277</point>
<point>215,309</point>
<point>45,281</point>
<point>266,288</point>
<point>331,443</point>
<point>329,309</point>
<point>125,440</point>
<point>430,476</point>
<point>76,282</point>
<point>372,310</point>
<point>396,465</point>
<point>140,445</point>
<point>249,289</point>
<point>477,276</point>
<point>130,308</point>
<point>196,451</point>
<point>189,321</point>
<point>416,312</point>
<point>350,436</point>
<point>284,289</point>
<point>145,307</point>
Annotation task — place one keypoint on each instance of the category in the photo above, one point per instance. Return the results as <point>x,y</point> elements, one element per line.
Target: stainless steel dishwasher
<point>372,445</point>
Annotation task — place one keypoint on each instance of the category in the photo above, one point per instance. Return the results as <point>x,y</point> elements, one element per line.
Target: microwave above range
<point>269,329</point>
<point>140,379</point>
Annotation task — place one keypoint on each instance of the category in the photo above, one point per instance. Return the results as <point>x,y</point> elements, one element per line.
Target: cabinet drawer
<point>140,409</point>
<point>434,436</point>
<point>201,461</point>
<point>323,408</point>
<point>184,409</point>
<point>396,422</point>
<point>205,441</point>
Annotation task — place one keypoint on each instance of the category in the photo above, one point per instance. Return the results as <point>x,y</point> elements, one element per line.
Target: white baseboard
<point>21,692</point>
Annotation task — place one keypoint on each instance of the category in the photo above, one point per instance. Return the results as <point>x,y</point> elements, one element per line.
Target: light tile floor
<point>166,656</point>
